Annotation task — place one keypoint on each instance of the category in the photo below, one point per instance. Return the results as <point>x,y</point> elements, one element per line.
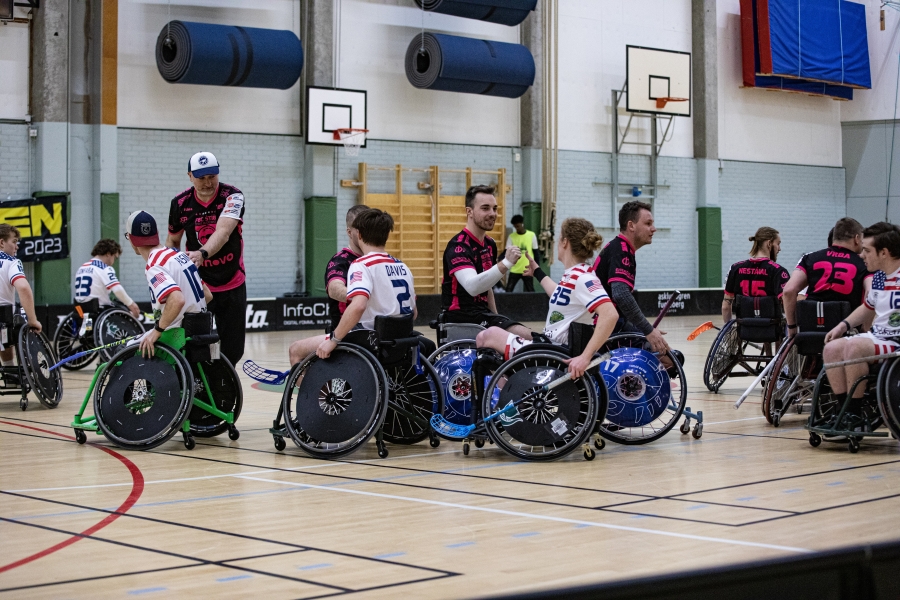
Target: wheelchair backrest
<point>199,323</point>
<point>758,318</point>
<point>392,328</point>
<point>579,336</point>
<point>452,332</point>
<point>91,307</point>
<point>814,321</point>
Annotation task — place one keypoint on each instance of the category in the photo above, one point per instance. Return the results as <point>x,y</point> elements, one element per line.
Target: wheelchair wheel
<point>411,393</point>
<point>227,394</point>
<point>720,361</point>
<point>113,326</point>
<point>66,342</point>
<point>332,407</point>
<point>142,402</point>
<point>36,356</point>
<point>786,385</point>
<point>644,401</point>
<point>449,348</point>
<point>889,396</point>
<point>453,364</point>
<point>549,425</point>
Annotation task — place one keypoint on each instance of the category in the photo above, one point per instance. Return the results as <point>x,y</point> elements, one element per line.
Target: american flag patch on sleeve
<point>878,280</point>
<point>355,277</point>
<point>593,285</point>
<point>157,280</point>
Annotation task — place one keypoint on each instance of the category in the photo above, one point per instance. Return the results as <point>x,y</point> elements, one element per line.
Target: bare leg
<point>857,348</point>
<point>834,352</point>
<point>303,348</point>
<point>7,355</point>
<point>492,337</point>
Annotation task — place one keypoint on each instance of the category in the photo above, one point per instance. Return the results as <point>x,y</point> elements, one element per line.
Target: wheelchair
<point>186,386</point>
<point>798,362</point>
<point>758,324</point>
<point>90,326</point>
<point>453,332</point>
<point>34,357</point>
<point>374,383</point>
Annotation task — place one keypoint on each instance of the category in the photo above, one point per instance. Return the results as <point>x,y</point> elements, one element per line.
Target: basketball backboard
<point>328,109</point>
<point>658,81</point>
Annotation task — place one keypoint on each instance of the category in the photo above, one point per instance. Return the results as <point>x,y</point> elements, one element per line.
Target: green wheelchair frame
<point>175,340</point>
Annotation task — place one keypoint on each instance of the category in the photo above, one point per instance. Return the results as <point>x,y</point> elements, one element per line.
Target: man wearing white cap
<point>211,214</point>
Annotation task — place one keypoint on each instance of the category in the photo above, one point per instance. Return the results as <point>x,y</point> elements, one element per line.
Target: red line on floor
<point>137,488</point>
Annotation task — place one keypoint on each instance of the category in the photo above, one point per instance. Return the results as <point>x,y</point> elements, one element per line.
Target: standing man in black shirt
<point>471,268</point>
<point>211,213</point>
<point>616,268</point>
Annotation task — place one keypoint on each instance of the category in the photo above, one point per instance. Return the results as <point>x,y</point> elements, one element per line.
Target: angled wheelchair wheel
<point>451,347</point>
<point>788,384</point>
<point>227,395</point>
<point>142,402</point>
<point>413,398</point>
<point>549,425</point>
<point>644,401</point>
<point>720,360</point>
<point>889,396</point>
<point>67,342</point>
<point>36,356</point>
<point>332,407</point>
<point>453,364</point>
<point>113,326</point>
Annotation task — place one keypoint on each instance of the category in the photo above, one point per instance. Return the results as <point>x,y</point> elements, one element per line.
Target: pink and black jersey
<point>386,282</point>
<point>756,277</point>
<point>835,274</point>
<point>616,263</point>
<point>223,270</point>
<point>465,252</point>
<point>337,269</point>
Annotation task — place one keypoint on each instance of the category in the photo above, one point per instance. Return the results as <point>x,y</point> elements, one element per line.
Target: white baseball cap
<point>202,164</point>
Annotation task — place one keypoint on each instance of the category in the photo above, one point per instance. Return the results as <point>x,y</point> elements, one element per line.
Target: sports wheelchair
<point>186,386</point>
<point>34,357</point>
<point>90,326</point>
<point>758,324</point>
<point>798,361</point>
<point>374,383</point>
<point>477,382</point>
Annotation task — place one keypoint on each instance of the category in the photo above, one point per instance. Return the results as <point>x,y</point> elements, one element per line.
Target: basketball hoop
<point>352,139</point>
<point>661,102</point>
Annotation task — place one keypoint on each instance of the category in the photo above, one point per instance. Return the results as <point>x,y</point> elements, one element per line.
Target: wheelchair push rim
<point>548,426</point>
<point>142,402</point>
<point>66,342</point>
<point>227,395</point>
<point>343,398</point>
<point>450,347</point>
<point>719,362</point>
<point>36,355</point>
<point>889,397</point>
<point>413,398</point>
<point>113,326</point>
<point>786,383</point>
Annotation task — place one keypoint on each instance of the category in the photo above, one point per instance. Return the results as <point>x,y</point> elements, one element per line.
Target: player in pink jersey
<point>377,285</point>
<point>759,275</point>
<point>579,297</point>
<point>881,252</point>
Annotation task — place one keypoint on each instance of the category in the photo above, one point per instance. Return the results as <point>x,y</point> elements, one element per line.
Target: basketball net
<point>352,139</point>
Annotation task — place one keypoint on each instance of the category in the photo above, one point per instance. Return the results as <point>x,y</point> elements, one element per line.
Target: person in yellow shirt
<point>527,242</point>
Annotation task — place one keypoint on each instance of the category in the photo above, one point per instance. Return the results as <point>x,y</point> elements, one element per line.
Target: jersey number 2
<point>402,296</point>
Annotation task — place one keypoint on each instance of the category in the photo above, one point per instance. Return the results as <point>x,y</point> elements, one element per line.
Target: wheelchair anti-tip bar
<point>854,361</point>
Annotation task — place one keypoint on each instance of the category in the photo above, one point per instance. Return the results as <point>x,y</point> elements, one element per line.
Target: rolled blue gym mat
<point>435,61</point>
<point>505,12</point>
<point>207,54</point>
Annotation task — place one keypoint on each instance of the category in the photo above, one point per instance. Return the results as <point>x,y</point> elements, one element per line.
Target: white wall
<point>770,126</point>
<point>371,44</point>
<point>592,39</point>
<point>147,100</point>
<point>884,47</point>
<point>13,70</point>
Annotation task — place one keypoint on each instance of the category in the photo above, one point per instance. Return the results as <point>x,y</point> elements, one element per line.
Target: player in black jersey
<point>336,272</point>
<point>471,268</point>
<point>833,274</point>
<point>759,275</point>
<point>616,268</point>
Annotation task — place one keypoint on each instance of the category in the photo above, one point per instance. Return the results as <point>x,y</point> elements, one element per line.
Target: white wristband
<point>506,263</point>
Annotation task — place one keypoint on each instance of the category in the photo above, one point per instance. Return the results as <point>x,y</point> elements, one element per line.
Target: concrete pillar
<point>530,111</point>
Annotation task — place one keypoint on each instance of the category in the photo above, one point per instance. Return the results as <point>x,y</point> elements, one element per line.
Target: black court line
<point>690,501</point>
<point>827,508</point>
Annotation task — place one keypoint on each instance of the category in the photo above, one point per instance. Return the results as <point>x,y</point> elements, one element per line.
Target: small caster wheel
<point>599,443</point>
<point>279,443</point>
<point>685,427</point>
<point>776,420</point>
<point>479,443</point>
<point>233,432</point>
<point>189,442</point>
<point>698,431</point>
<point>23,403</point>
<point>466,448</point>
<point>80,437</point>
<point>799,409</point>
<point>433,440</point>
<point>853,446</point>
<point>589,454</point>
<point>382,450</point>
<point>814,440</point>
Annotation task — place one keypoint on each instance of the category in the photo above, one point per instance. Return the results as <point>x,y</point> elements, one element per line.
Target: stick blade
<point>263,375</point>
<point>449,430</point>
<point>704,327</point>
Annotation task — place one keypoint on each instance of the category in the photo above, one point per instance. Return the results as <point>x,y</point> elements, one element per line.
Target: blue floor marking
<point>582,526</point>
<point>318,566</point>
<point>234,578</point>
<point>697,506</point>
<point>792,491</point>
<point>390,555</point>
<point>460,545</point>
<point>522,535</point>
<point>875,477</point>
<point>834,483</point>
<point>147,591</point>
<point>746,499</point>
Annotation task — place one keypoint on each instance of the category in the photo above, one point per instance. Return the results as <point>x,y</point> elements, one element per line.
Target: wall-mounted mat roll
<point>435,61</point>
<point>505,12</point>
<point>208,54</point>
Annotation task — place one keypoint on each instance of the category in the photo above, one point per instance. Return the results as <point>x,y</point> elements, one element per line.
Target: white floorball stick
<point>759,378</point>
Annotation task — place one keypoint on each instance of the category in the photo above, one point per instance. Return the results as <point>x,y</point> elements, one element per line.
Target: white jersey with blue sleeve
<point>95,279</point>
<point>171,270</point>
<point>386,282</point>
<point>10,272</point>
<point>577,295</point>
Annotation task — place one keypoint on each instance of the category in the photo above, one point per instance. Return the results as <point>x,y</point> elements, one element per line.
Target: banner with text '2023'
<point>42,224</point>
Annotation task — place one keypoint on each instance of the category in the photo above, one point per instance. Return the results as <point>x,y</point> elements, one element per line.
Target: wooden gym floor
<point>238,518</point>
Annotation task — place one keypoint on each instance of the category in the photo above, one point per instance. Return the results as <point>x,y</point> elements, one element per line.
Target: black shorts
<point>484,318</point>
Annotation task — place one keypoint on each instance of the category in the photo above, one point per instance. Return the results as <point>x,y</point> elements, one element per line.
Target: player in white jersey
<point>12,280</point>
<point>579,297</point>
<point>377,285</point>
<point>97,277</point>
<point>881,253</point>
<point>175,285</point>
